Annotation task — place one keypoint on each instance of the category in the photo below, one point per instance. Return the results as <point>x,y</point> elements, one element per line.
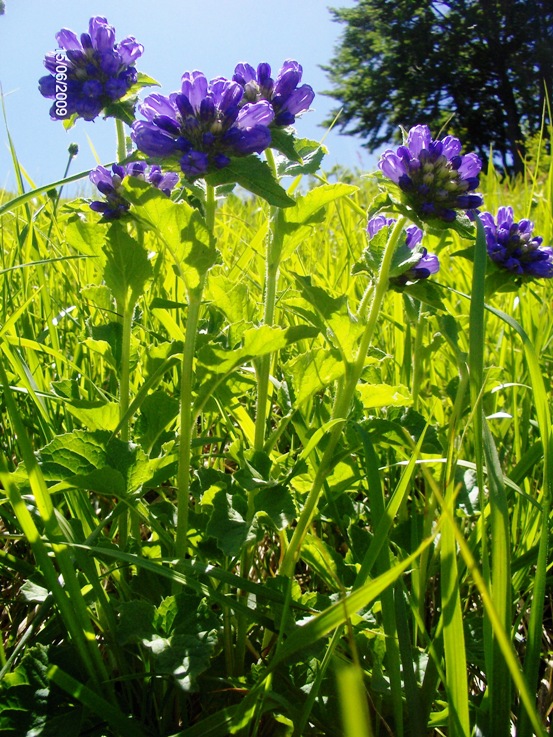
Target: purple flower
<point>204,125</point>
<point>427,263</point>
<point>286,98</point>
<point>89,73</point>
<point>108,183</point>
<point>433,176</point>
<point>511,245</point>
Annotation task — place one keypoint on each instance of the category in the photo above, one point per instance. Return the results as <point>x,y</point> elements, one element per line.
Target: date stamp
<point>61,84</point>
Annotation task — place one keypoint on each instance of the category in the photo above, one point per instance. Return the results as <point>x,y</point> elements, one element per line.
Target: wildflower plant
<point>93,74</point>
<point>247,443</point>
<point>108,183</point>
<point>435,183</point>
<point>512,246</point>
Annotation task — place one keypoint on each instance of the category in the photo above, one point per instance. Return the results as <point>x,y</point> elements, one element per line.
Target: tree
<point>483,69</point>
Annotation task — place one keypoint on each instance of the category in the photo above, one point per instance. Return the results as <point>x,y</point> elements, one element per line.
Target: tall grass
<point>168,573</point>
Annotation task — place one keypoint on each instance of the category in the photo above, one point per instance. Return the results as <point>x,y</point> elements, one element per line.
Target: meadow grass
<point>413,597</point>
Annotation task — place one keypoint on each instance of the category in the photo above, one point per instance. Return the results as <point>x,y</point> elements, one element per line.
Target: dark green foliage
<point>486,65</point>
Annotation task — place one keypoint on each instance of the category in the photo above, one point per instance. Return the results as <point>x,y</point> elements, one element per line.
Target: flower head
<point>435,179</point>
<point>108,183</point>
<point>512,246</point>
<point>284,94</point>
<point>92,71</point>
<point>422,266</point>
<point>203,125</point>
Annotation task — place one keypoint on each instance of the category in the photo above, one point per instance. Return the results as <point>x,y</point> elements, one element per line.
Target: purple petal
<point>101,34</point>
<point>300,100</point>
<point>413,236</point>
<point>470,166</point>
<point>153,141</point>
<point>194,86</point>
<point>243,73</point>
<point>130,50</point>
<point>451,147</point>
<point>253,114</point>
<point>47,86</point>
<point>68,40</point>
<point>156,104</point>
<point>391,166</point>
<point>194,164</point>
<point>377,223</point>
<point>418,138</point>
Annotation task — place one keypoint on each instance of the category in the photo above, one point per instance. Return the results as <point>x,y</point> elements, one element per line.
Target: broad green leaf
<point>310,209</point>
<point>304,156</point>
<point>157,412</point>
<point>95,461</point>
<point>227,523</point>
<point>128,267</point>
<point>344,328</point>
<point>313,370</point>
<point>94,415</point>
<point>383,395</point>
<point>85,236</point>
<point>275,503</point>
<point>255,176</point>
<point>178,225</point>
<point>258,342</point>
<point>310,206</point>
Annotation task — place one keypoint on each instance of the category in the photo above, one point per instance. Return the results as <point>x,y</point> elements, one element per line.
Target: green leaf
<point>345,329</point>
<point>95,461</point>
<point>255,176</point>
<point>383,395</point>
<point>157,412</point>
<point>84,236</point>
<point>305,156</point>
<point>178,225</point>
<point>128,267</point>
<point>95,415</point>
<point>227,523</point>
<point>313,370</point>
<point>277,504</point>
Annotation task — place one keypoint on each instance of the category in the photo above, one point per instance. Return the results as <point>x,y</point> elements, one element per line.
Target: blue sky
<point>178,36</point>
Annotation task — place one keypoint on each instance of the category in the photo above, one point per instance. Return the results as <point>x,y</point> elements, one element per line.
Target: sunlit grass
<point>392,611</point>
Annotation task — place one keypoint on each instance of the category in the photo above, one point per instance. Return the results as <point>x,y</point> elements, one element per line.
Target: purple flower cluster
<point>92,71</point>
<point>286,97</point>
<point>512,247</point>
<point>108,183</point>
<point>433,176</point>
<point>203,125</point>
<point>427,264</point>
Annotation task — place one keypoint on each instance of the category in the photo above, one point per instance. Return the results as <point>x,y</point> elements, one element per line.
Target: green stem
<point>186,430</point>
<point>186,408</point>
<point>121,140</point>
<point>343,403</point>
<point>124,378</point>
<point>125,312</point>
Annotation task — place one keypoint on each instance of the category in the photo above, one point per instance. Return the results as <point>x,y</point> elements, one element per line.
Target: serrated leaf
<point>95,415</point>
<point>179,226</point>
<point>314,370</point>
<point>425,291</point>
<point>136,621</point>
<point>157,412</point>
<point>345,329</point>
<point>255,176</point>
<point>227,523</point>
<point>84,236</point>
<point>277,504</point>
<point>128,267</point>
<point>95,461</point>
<point>307,159</point>
<point>383,395</point>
